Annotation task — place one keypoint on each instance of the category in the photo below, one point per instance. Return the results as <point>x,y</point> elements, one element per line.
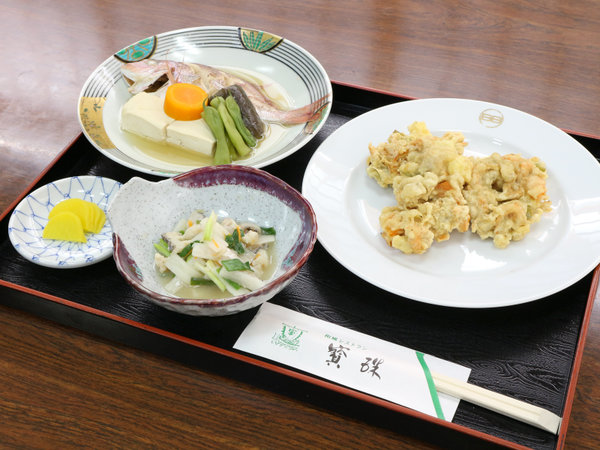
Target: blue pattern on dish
<point>29,218</point>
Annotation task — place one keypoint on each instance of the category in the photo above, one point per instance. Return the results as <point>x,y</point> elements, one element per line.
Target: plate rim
<point>330,245</point>
<point>113,152</point>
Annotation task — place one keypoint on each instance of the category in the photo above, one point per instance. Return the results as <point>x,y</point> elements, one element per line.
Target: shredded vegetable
<point>205,252</point>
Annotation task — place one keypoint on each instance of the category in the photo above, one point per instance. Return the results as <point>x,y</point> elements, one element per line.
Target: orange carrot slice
<point>184,101</point>
<point>444,186</point>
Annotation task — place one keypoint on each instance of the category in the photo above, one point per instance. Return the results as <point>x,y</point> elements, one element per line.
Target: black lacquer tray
<point>530,352</point>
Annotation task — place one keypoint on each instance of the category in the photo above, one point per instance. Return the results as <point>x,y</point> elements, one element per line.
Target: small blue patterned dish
<point>143,210</point>
<point>29,218</point>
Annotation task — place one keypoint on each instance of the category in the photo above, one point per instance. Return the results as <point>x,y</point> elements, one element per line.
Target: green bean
<point>216,101</point>
<point>249,114</point>
<point>232,151</point>
<point>232,132</point>
<point>213,119</point>
<point>236,114</point>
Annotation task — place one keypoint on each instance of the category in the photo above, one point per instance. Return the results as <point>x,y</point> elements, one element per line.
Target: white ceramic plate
<point>464,271</point>
<point>282,63</point>
<point>29,218</point>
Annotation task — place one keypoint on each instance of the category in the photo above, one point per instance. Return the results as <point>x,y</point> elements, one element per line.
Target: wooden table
<point>62,387</point>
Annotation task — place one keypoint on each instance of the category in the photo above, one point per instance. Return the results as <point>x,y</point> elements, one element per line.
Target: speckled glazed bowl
<point>143,210</point>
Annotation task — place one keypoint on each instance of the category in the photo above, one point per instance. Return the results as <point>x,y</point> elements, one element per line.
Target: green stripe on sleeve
<point>431,384</point>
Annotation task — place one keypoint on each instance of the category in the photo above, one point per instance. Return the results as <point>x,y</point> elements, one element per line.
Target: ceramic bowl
<point>143,210</point>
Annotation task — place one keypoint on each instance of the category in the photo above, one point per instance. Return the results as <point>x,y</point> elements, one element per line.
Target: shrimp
<point>153,74</point>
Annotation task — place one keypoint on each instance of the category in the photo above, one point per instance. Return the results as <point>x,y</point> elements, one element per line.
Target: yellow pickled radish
<point>95,219</point>
<point>64,226</point>
<point>91,215</point>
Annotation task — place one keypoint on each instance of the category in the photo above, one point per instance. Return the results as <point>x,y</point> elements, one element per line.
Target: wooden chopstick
<point>502,404</point>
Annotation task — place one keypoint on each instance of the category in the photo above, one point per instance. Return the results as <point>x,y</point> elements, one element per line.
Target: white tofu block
<point>194,135</point>
<point>143,115</point>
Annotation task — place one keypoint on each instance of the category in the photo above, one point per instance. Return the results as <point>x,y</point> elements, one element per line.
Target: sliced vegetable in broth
<point>208,257</point>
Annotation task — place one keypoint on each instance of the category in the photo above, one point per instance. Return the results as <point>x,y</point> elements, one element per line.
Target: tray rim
<point>316,381</point>
<point>282,370</point>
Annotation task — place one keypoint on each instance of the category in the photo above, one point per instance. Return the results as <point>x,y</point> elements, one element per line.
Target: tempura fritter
<point>413,230</point>
<point>427,175</point>
<point>505,196</point>
<point>439,190</point>
<point>413,154</point>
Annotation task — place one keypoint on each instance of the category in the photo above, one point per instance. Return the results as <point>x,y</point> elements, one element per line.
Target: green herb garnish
<point>233,265</point>
<point>195,281</point>
<point>234,241</point>
<point>187,250</point>
<point>162,247</point>
<point>268,230</point>
<point>233,284</point>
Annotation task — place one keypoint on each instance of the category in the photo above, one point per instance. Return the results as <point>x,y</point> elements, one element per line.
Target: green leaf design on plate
<point>136,52</point>
<point>258,41</point>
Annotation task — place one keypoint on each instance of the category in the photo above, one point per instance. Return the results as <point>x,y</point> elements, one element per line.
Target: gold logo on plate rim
<point>491,118</point>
